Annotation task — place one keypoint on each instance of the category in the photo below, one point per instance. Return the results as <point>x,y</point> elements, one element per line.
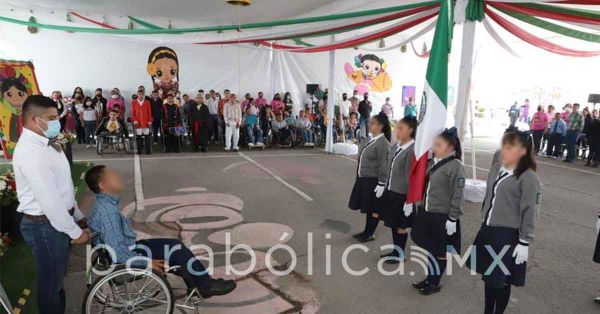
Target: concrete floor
<point>260,195</point>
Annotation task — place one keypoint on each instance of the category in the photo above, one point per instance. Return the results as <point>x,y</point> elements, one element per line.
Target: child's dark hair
<point>353,114</point>
<point>93,177</point>
<point>523,139</point>
<point>88,98</point>
<point>411,122</point>
<point>383,119</point>
<point>451,137</point>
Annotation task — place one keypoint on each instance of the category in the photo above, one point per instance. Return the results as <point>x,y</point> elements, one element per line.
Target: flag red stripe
<point>418,170</point>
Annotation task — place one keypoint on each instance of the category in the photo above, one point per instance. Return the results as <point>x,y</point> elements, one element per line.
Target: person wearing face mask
<point>387,108</point>
<point>410,110</point>
<point>62,109</point>
<point>116,101</point>
<point>354,101</point>
<point>89,116</point>
<point>436,225</point>
<point>100,103</point>
<point>344,105</point>
<point>199,117</point>
<point>141,115</point>
<point>276,104</point>
<point>261,101</point>
<point>509,213</point>
<point>51,218</point>
<point>364,109</point>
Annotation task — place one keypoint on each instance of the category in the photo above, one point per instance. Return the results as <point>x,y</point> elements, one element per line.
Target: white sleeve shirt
<point>44,184</point>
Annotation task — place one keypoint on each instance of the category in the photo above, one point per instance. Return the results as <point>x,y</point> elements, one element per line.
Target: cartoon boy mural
<point>163,67</point>
<point>17,82</point>
<point>370,75</point>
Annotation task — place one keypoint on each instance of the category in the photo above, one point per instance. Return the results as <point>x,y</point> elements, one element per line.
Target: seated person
<point>112,125</point>
<point>303,124</point>
<point>289,119</point>
<point>266,118</point>
<point>281,131</point>
<point>254,132</point>
<point>115,232</point>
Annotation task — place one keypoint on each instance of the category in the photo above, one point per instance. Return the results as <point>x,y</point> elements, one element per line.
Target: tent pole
<point>331,96</point>
<point>464,77</point>
<point>472,129</point>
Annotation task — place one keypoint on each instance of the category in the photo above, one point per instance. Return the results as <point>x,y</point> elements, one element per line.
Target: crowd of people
<point>570,134</point>
<point>215,117</point>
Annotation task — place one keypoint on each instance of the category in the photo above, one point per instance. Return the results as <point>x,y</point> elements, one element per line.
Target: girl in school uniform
<point>436,225</point>
<point>597,250</point>
<point>509,212</point>
<point>371,175</point>
<point>393,211</point>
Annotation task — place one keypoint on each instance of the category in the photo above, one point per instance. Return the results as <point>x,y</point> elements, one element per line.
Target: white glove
<point>521,253</point>
<point>598,225</point>
<point>379,190</point>
<point>450,227</point>
<point>408,208</point>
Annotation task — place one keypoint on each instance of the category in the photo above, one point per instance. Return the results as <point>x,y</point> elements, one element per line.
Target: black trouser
<point>554,145</point>
<point>213,127</point>
<point>155,127</point>
<point>171,142</point>
<point>143,141</point>
<point>537,139</point>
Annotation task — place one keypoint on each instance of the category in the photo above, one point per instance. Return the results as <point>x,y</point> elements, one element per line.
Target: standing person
<point>199,117</point>
<point>62,110</point>
<point>410,110</point>
<point>594,140</point>
<point>100,102</point>
<point>261,101</point>
<point>51,218</point>
<point>566,113</point>
<point>141,115</point>
<point>116,100</point>
<point>396,214</point>
<point>277,105</point>
<point>513,114</point>
<point>78,91</point>
<point>387,108</point>
<point>545,139</point>
<point>436,226</point>
<point>77,110</point>
<point>344,105</point>
<point>371,174</point>
<point>539,123</point>
<point>171,120</point>
<point>232,115</point>
<point>213,110</point>
<point>246,101</point>
<point>574,128</point>
<point>364,109</point>
<point>509,212</point>
<point>525,112</point>
<point>288,103</point>
<point>156,106</point>
<point>89,117</point>
<point>354,101</point>
<point>558,131</point>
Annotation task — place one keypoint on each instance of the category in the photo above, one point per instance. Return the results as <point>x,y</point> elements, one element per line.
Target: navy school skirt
<point>392,210</point>
<point>429,232</point>
<point>497,238</point>
<point>597,250</point>
<point>363,196</point>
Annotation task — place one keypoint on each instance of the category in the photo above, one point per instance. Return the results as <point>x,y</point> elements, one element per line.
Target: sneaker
<point>226,149</point>
<point>88,146</point>
<point>217,287</point>
<point>260,144</point>
<point>235,149</point>
<point>311,144</point>
<point>250,144</point>
<point>597,300</point>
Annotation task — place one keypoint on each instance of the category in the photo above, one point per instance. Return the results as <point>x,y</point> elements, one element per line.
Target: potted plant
<point>9,218</point>
<point>5,242</point>
<point>66,139</point>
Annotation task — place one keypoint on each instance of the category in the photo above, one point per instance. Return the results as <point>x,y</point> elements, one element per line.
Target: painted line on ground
<point>139,188</point>
<point>198,157</point>
<point>278,178</point>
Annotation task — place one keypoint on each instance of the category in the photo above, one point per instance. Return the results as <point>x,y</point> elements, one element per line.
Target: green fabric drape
<point>148,31</point>
<point>554,27</point>
<point>475,10</point>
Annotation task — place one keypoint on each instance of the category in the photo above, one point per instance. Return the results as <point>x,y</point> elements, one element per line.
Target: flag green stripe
<point>437,67</point>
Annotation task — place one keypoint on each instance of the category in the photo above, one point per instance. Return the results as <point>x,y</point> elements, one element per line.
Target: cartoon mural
<point>370,75</point>
<point>17,81</point>
<point>163,67</point>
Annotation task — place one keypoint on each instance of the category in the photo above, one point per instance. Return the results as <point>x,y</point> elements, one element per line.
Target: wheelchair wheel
<point>128,290</point>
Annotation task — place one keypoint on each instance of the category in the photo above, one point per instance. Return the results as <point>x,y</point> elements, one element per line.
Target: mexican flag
<point>432,114</point>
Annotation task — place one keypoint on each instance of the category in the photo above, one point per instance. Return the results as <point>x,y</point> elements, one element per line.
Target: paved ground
<point>261,195</point>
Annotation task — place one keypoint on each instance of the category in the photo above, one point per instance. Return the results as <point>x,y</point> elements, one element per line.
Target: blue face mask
<point>53,128</point>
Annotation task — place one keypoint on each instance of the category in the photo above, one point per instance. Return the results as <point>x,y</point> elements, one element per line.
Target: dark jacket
<point>196,113</point>
<point>100,104</point>
<point>364,108</point>
<point>171,116</point>
<point>157,108</point>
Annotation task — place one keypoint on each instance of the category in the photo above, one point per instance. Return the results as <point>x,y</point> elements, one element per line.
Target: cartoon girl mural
<point>370,75</point>
<point>163,67</point>
<point>17,82</point>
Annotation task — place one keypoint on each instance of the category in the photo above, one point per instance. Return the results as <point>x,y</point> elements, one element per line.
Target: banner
<point>17,82</point>
<point>408,92</point>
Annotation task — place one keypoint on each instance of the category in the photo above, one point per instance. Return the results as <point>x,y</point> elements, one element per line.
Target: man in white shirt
<point>232,114</point>
<point>344,105</point>
<point>51,217</point>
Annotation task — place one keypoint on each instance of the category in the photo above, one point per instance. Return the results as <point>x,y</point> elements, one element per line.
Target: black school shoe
<point>217,287</point>
<point>597,300</point>
<point>420,285</point>
<point>430,289</point>
<point>365,239</point>
<point>358,235</point>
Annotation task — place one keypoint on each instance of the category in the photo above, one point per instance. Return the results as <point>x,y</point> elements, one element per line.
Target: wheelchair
<point>118,143</point>
<point>132,290</point>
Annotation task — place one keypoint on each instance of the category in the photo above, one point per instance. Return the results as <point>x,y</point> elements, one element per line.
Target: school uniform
<point>509,211</point>
<point>396,188</point>
<point>443,201</point>
<point>597,250</point>
<point>371,171</point>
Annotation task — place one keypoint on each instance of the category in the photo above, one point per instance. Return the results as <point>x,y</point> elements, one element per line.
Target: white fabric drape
<point>492,32</point>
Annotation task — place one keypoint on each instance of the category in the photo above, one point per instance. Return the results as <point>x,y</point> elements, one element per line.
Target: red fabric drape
<point>537,41</point>
<point>92,21</point>
<point>545,14</point>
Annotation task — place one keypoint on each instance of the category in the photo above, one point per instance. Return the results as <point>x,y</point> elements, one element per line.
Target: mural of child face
<point>166,70</point>
<point>371,68</point>
<point>15,97</point>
